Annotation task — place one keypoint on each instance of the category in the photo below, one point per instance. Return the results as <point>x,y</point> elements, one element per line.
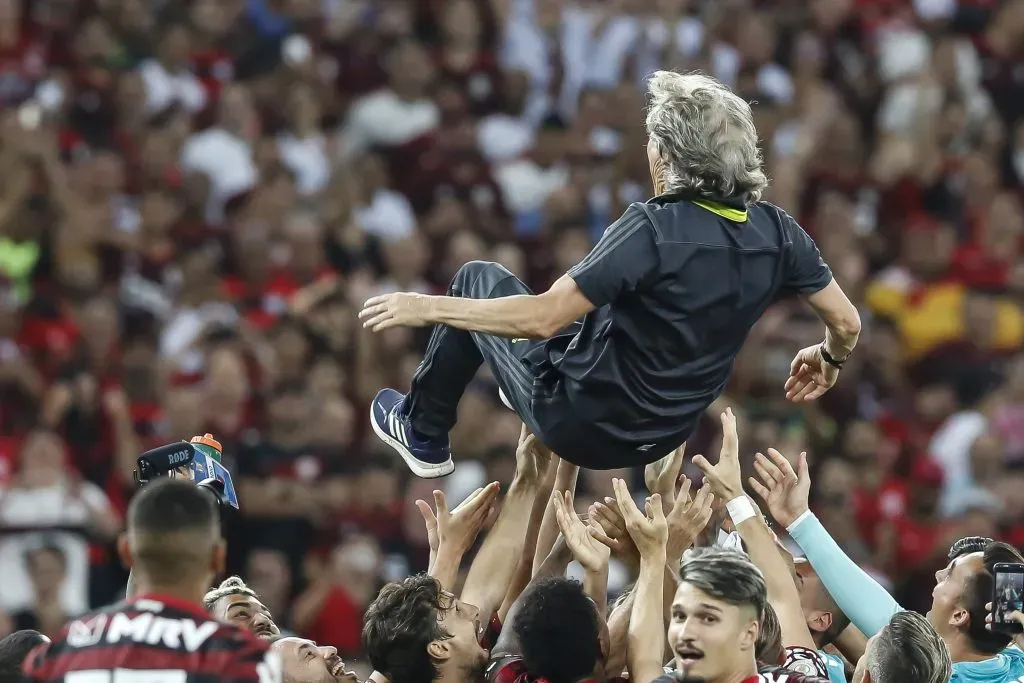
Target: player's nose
<point>327,651</point>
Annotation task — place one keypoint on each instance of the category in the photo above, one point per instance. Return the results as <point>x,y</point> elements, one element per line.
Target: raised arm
<point>591,553</point>
<point>726,481</point>
<point>496,561</point>
<point>646,639</point>
<point>451,534</point>
<point>816,368</point>
<point>785,492</point>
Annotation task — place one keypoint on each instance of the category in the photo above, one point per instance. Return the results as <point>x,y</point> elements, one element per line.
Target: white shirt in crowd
<point>226,160</point>
<point>26,519</point>
<point>382,118</point>
<point>307,159</point>
<point>164,88</point>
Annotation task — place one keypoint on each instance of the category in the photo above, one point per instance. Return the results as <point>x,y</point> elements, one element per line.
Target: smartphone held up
<point>1008,597</point>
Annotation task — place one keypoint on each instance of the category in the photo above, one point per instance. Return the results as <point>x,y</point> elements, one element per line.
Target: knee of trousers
<point>475,271</point>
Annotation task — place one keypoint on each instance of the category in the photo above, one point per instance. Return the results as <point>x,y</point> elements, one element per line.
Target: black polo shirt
<point>677,285</point>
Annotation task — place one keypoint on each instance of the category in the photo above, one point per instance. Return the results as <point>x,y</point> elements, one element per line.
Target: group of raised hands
<point>674,515</point>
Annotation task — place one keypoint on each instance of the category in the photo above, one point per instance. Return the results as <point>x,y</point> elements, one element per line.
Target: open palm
<point>784,490</point>
<point>589,552</point>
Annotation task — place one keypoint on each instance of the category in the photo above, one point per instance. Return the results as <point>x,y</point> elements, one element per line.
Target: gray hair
<point>909,649</point>
<point>706,137</point>
<point>727,575</point>
<point>232,585</point>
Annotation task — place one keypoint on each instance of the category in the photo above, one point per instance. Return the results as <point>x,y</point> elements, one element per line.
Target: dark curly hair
<point>398,627</point>
<point>558,630</point>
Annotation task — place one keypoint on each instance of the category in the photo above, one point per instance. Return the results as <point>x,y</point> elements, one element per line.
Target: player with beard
<point>304,661</point>
<point>233,601</point>
<point>963,588</point>
<point>417,632</point>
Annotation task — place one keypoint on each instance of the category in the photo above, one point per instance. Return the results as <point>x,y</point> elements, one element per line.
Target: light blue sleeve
<point>861,598</point>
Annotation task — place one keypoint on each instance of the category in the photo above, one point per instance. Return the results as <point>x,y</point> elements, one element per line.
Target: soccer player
<point>303,661</point>
<point>615,363</point>
<point>552,632</point>
<point>163,635</point>
<point>417,632</point>
<point>963,588</point>
<point>235,602</point>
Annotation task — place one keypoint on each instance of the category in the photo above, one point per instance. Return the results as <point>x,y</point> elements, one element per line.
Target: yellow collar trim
<point>729,214</point>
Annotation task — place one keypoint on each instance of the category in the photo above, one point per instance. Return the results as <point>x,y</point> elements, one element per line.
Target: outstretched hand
<point>784,490</point>
<point>724,477</point>
<point>648,529</point>
<point>588,550</point>
<point>532,458</point>
<point>688,517</point>
<point>458,528</point>
<point>661,476</point>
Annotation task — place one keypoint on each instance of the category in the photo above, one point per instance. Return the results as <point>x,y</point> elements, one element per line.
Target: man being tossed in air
<point>615,363</point>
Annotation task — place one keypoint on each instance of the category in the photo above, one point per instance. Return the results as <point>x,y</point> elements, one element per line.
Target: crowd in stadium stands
<point>198,195</point>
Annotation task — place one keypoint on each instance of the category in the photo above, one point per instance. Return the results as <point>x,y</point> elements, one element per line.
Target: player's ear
<point>439,650</point>
<point>124,551</point>
<point>220,555</point>
<point>819,621</point>
<point>748,638</point>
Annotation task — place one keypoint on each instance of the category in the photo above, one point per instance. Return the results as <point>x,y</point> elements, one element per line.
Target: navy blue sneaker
<point>426,459</point>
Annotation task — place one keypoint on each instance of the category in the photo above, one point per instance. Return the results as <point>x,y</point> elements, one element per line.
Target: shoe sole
<point>421,469</point>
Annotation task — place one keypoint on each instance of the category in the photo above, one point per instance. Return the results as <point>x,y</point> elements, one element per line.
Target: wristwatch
<point>837,363</point>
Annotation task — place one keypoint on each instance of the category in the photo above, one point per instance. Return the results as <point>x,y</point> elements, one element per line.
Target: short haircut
<point>979,590</point>
<point>968,545</point>
<point>173,526</point>
<point>769,649</point>
<point>400,624</point>
<point>233,585</point>
<point>558,630</point>
<point>727,575</point>
<point>13,650</point>
<point>909,649</point>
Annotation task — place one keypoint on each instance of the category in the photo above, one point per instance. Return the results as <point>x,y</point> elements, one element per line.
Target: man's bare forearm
<point>524,569</point>
<point>511,316</point>
<point>782,591</point>
<point>839,342</point>
<point>491,571</point>
<point>566,475</point>
<point>445,567</point>
<point>646,626</point>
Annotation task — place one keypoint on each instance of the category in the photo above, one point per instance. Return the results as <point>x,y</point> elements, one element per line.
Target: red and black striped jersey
<point>153,639</point>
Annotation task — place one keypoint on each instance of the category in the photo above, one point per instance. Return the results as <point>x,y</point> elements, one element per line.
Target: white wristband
<point>740,509</point>
<point>799,520</point>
